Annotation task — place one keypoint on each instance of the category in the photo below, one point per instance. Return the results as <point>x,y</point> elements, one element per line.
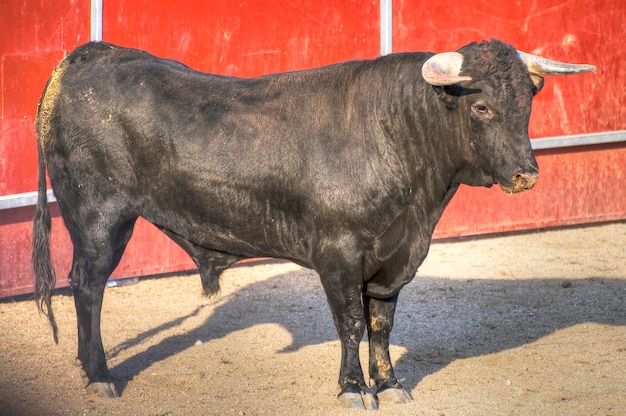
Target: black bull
<point>345,169</point>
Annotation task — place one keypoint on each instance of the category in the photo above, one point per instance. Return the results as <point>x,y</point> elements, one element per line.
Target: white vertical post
<point>96,20</point>
<point>386,28</point>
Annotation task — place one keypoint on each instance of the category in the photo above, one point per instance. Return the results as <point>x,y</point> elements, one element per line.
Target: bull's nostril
<point>522,180</point>
<point>519,178</point>
<point>522,176</point>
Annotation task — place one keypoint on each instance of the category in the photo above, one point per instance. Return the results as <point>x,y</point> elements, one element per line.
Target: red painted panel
<point>578,31</point>
<point>575,186</point>
<point>29,26</point>
<point>17,160</point>
<point>15,238</point>
<point>247,38</point>
<point>24,78</point>
<point>33,38</point>
<point>149,251</point>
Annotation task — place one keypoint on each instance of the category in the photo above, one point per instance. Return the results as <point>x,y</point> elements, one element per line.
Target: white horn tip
<point>542,66</point>
<point>590,68</point>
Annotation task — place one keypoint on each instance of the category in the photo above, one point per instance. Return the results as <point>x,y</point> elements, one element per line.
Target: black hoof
<point>363,400</point>
<point>102,389</point>
<point>394,396</point>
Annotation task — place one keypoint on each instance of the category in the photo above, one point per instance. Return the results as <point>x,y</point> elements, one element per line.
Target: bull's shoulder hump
<point>99,51</point>
<point>100,57</point>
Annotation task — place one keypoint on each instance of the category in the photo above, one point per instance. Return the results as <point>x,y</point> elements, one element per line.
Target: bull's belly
<point>250,237</point>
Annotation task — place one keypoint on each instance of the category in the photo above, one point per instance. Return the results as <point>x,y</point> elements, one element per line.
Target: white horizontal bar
<point>579,140</point>
<point>22,200</point>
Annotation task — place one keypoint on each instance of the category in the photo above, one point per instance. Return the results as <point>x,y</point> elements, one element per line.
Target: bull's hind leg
<point>97,251</point>
<point>379,314</point>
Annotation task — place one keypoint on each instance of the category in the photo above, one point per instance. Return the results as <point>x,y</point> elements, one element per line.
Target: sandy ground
<point>526,324</point>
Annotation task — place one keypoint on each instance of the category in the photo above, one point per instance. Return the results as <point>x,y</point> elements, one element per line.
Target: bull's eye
<point>481,109</point>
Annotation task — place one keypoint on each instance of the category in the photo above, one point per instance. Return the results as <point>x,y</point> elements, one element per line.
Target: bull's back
<point>104,91</point>
<point>145,113</point>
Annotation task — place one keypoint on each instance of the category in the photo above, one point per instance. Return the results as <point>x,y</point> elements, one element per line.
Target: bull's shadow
<point>437,320</point>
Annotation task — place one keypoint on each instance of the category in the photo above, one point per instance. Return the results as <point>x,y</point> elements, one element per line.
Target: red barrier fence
<point>247,38</point>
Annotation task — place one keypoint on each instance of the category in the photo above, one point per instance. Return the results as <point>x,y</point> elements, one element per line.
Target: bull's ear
<point>448,95</point>
<point>537,82</point>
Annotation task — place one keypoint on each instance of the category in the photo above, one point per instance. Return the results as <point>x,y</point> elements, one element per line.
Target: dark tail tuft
<point>45,278</point>
<point>210,286</point>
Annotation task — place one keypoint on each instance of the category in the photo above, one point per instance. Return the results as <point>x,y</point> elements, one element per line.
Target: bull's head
<point>491,86</point>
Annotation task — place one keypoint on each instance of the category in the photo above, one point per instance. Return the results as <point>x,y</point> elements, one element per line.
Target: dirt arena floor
<point>526,324</point>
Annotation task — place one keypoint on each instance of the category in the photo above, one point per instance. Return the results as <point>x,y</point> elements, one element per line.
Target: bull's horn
<point>444,69</point>
<point>542,66</point>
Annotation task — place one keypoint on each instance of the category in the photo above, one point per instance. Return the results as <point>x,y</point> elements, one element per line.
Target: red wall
<point>249,38</point>
<point>34,35</point>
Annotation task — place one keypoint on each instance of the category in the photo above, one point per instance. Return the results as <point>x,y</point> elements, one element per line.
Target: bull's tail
<point>45,277</point>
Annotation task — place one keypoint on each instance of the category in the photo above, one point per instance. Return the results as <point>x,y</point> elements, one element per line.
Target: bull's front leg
<point>345,303</point>
<point>380,313</point>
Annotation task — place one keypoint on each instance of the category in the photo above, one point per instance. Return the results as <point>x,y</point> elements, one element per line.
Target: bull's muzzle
<point>521,181</point>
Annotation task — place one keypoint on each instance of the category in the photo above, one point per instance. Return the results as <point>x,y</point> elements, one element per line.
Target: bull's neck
<point>414,116</point>
<point>423,132</point>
